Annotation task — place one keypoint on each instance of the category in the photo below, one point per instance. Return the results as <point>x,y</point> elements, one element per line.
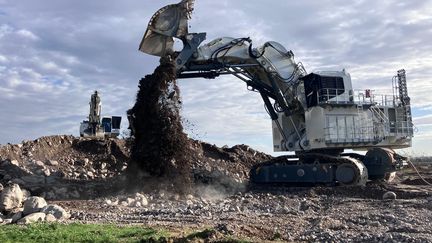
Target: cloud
<point>423,120</point>
<point>53,54</point>
<point>27,34</point>
<point>210,106</point>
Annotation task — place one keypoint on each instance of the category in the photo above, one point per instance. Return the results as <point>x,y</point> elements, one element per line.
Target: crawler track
<point>311,169</point>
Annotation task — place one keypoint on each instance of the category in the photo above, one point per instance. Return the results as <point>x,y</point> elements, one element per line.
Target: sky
<point>55,53</point>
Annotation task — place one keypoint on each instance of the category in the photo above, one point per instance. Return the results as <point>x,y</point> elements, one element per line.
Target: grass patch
<point>79,233</point>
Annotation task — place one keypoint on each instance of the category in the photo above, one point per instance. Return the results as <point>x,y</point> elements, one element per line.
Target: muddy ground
<point>90,179</point>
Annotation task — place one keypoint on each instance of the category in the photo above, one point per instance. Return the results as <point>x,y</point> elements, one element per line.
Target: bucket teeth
<point>189,4</point>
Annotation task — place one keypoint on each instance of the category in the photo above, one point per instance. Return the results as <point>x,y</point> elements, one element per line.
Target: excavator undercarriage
<point>321,167</point>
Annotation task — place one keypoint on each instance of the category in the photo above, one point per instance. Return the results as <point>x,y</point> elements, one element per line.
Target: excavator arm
<point>269,69</point>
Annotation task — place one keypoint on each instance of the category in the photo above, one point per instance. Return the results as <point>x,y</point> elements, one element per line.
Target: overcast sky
<point>55,53</point>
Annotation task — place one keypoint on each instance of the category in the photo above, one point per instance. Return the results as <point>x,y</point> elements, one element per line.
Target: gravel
<point>304,214</point>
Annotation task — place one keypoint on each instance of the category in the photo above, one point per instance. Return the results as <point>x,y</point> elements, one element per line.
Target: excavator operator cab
<point>327,87</point>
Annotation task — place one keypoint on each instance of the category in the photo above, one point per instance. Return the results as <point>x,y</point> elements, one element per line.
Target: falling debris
<point>160,146</point>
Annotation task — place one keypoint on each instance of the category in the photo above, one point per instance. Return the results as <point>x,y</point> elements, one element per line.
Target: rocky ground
<point>301,215</point>
<point>87,181</point>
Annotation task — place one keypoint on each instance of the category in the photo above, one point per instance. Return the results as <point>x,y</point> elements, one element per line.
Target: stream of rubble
<point>160,147</point>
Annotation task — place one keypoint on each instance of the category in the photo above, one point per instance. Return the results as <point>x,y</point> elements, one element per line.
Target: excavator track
<point>323,169</point>
<point>310,169</point>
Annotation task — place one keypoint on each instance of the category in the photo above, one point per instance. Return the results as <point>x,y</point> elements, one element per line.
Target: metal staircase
<point>381,122</point>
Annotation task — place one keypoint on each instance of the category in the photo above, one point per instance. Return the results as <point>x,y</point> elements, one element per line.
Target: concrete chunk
<point>32,218</point>
<point>33,205</point>
<point>11,197</point>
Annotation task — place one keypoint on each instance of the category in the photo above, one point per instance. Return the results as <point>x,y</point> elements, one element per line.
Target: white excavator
<point>95,127</point>
<point>316,115</point>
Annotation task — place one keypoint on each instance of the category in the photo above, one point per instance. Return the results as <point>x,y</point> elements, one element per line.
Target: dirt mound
<point>64,166</point>
<point>64,147</point>
<point>224,169</point>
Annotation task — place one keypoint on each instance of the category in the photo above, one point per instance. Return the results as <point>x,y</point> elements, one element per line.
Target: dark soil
<point>414,179</point>
<point>160,146</point>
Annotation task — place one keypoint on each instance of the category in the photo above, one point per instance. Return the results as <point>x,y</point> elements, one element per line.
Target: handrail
<point>342,96</point>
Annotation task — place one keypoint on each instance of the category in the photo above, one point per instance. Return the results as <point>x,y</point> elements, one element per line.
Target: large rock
<point>40,164</point>
<point>141,199</point>
<point>11,197</point>
<point>32,218</point>
<point>33,205</point>
<point>26,194</point>
<point>7,221</point>
<point>50,218</point>
<point>57,211</point>
<point>14,162</point>
<point>51,162</point>
<point>389,196</point>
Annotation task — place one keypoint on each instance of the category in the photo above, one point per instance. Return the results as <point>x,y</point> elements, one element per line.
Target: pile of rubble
<point>137,200</point>
<point>17,206</point>
<point>225,168</point>
<point>65,167</point>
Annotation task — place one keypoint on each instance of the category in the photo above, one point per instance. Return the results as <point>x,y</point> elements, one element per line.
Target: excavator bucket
<point>168,22</point>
